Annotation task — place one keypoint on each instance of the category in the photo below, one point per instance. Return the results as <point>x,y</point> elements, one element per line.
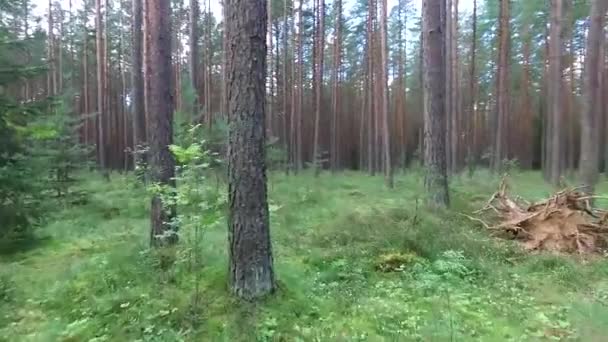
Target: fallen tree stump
<point>563,223</point>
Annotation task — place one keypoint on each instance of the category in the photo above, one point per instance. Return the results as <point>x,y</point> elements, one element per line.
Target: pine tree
<point>434,112</point>
<point>251,264</point>
<point>162,163</point>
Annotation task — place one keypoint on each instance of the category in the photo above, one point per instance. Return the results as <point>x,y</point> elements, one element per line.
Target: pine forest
<point>303,170</point>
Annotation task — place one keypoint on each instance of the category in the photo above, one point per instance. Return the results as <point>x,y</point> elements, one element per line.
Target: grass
<point>91,276</point>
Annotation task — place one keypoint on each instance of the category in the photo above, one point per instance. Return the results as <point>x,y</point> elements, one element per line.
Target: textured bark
<point>433,26</point>
<point>388,170</point>
<point>139,115</point>
<point>590,119</point>
<point>270,97</point>
<point>251,264</point>
<point>555,90</point>
<point>162,164</point>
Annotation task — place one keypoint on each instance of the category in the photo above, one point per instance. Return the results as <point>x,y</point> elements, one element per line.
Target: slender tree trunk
<point>286,94</point>
<point>138,86</point>
<point>59,50</point>
<point>50,54</point>
<point>251,262</point>
<point>448,80</point>
<point>320,41</point>
<point>208,89</point>
<point>388,171</point>
<point>555,87</point>
<point>101,150</point>
<point>335,133</point>
<point>299,158</point>
<point>455,89</point>
<point>85,76</point>
<point>434,113</point>
<point>162,164</point>
<point>502,87</point>
<point>527,135</point>
<point>472,96</point>
<point>194,56</point>
<point>370,89</point>
<point>589,160</point>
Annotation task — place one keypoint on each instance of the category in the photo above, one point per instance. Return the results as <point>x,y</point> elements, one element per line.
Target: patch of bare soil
<point>564,223</point>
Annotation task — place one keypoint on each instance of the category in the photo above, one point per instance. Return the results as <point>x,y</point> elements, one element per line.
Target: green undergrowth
<point>354,261</point>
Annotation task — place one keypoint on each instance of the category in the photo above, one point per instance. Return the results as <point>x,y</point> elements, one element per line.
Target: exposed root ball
<point>564,223</point>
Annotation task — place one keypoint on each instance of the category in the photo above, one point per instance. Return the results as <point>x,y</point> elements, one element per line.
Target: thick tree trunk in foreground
<point>590,119</point>
<point>251,264</point>
<point>435,182</point>
<point>162,163</point>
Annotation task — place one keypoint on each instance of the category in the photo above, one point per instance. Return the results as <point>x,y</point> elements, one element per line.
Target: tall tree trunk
<point>299,158</point>
<point>555,90</point>
<point>85,76</point>
<point>471,127</point>
<point>526,138</point>
<point>270,97</point>
<point>449,5</point>
<point>251,263</point>
<point>590,139</point>
<point>162,164</point>
<point>59,50</point>
<point>401,95</point>
<point>101,150</point>
<point>370,89</point>
<point>139,115</point>
<point>320,43</point>
<point>388,171</point>
<point>455,95</point>
<point>209,103</point>
<point>51,80</point>
<point>109,131</point>
<point>502,87</point>
<point>335,132</point>
<point>433,28</point>
<point>286,94</point>
<point>194,56</point>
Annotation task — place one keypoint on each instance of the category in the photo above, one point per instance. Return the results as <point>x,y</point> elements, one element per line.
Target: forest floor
<point>91,276</point>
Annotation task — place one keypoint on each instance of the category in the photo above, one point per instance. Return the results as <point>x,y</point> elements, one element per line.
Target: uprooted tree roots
<point>564,223</point>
